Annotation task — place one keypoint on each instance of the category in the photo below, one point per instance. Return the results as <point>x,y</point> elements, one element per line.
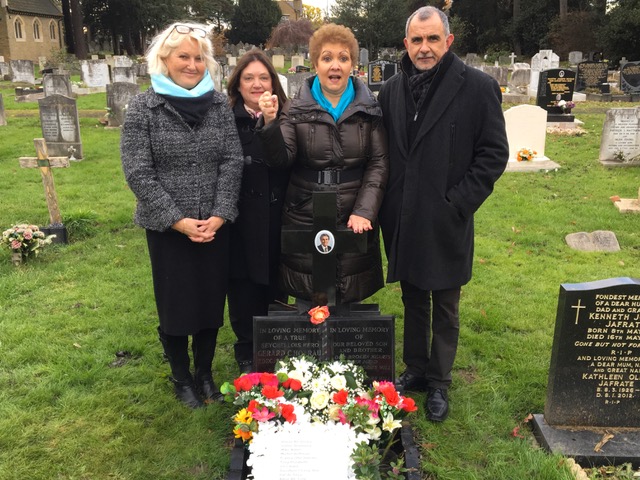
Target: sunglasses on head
<point>186,29</point>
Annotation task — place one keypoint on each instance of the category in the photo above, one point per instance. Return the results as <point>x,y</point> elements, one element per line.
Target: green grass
<point>67,411</point>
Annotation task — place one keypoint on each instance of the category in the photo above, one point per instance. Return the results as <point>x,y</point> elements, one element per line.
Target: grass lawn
<point>83,387</point>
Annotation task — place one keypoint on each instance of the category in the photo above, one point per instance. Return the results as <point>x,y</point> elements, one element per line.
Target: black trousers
<point>176,348</point>
<point>431,329</point>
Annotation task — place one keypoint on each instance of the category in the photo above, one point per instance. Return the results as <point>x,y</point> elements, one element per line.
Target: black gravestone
<point>592,75</point>
<point>630,77</point>
<point>302,68</point>
<point>594,376</point>
<point>555,85</point>
<point>379,72</point>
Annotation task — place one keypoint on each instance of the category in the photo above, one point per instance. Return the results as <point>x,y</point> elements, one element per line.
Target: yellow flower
<point>243,416</point>
<point>390,424</point>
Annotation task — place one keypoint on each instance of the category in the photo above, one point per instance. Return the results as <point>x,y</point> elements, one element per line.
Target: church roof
<point>45,8</point>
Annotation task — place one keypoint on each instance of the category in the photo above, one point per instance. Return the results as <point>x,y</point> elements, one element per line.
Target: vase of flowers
<point>24,240</point>
<point>565,105</point>
<point>328,398</point>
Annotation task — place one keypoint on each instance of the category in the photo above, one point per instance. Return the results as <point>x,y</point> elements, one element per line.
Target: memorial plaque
<point>60,126</point>
<point>594,377</point>
<point>592,75</point>
<point>620,141</point>
<point>118,97</point>
<point>630,77</point>
<point>379,72</point>
<point>366,338</point>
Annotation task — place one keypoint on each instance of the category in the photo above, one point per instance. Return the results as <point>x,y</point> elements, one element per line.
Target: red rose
<point>286,410</point>
<point>318,315</point>
<point>293,384</point>
<point>268,379</point>
<point>340,397</point>
<point>409,404</point>
<point>270,391</point>
<point>243,383</point>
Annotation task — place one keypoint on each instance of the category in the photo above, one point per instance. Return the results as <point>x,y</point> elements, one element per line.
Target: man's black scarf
<point>421,82</point>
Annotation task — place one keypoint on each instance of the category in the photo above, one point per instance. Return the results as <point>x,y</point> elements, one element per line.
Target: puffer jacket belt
<point>330,176</point>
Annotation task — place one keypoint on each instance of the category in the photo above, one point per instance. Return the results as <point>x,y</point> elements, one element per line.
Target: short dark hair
<point>254,55</point>
<point>424,13</point>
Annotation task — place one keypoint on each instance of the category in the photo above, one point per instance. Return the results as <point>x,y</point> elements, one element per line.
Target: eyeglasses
<point>186,29</point>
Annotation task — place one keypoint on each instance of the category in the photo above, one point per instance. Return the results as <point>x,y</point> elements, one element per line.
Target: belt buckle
<point>328,177</point>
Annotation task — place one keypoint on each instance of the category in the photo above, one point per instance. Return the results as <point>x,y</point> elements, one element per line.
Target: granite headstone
<point>630,77</point>
<point>56,84</point>
<point>22,71</point>
<point>119,95</point>
<point>379,72</point>
<point>620,140</point>
<point>592,75</point>
<point>60,126</point>
<point>95,73</point>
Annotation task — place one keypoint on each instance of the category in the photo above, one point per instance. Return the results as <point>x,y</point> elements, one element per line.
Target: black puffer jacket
<point>306,137</point>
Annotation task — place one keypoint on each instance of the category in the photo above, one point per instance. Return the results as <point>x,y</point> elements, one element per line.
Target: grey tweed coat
<point>176,171</point>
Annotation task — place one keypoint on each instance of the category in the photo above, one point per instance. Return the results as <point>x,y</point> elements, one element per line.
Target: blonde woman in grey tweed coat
<point>183,161</point>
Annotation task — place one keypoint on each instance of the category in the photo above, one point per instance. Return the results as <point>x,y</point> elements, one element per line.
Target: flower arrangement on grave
<point>566,106</point>
<point>305,394</point>
<point>525,155</point>
<point>25,239</point>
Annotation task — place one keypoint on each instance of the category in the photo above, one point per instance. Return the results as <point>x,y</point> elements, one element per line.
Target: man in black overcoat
<point>447,148</point>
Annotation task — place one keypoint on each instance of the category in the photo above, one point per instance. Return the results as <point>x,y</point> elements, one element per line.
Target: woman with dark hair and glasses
<point>255,235</point>
<point>182,159</point>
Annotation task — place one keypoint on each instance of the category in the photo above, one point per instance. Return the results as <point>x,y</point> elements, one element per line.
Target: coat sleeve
<point>139,168</point>
<point>279,139</point>
<point>376,174</point>
<point>490,152</point>
<point>229,168</point>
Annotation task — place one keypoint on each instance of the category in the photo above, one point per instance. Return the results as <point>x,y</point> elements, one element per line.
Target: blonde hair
<point>169,39</point>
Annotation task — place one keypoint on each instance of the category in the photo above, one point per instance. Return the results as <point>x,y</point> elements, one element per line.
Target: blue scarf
<point>345,100</point>
<point>165,86</point>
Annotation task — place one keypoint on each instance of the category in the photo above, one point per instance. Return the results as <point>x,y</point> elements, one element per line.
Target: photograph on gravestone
<point>620,140</point>
<point>630,77</point>
<point>594,375</point>
<point>592,75</point>
<point>60,126</point>
<point>556,85</point>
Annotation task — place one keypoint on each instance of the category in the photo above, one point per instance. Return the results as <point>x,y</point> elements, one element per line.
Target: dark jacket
<point>307,137</point>
<point>255,235</point>
<point>176,171</point>
<point>439,181</point>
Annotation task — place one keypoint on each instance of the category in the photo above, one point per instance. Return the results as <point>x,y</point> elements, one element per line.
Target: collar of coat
<point>364,101</point>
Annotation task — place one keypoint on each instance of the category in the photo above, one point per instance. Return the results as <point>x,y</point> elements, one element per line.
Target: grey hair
<point>169,39</point>
<point>424,13</point>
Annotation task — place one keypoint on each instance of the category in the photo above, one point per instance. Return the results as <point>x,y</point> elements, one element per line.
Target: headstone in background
<point>520,77</point>
<point>628,205</point>
<point>364,57</point>
<point>278,61</point>
<point>233,61</point>
<point>504,60</point>
<point>42,62</point>
<point>119,95</point>
<point>592,75</point>
<point>297,60</point>
<point>241,52</point>
<point>379,72</point>
<point>526,127</point>
<point>55,84</point>
<point>284,81</point>
<point>555,85</point>
<point>22,71</point>
<point>575,58</point>
<point>594,375</point>
<point>122,61</point>
<point>28,94</point>
<point>3,118</point>
<point>630,77</point>
<point>501,74</point>
<point>4,69</point>
<point>295,81</point>
<point>620,141</point>
<point>598,241</point>
<point>473,60</point>
<point>60,126</point>
<point>302,68</point>
<point>595,57</point>
<point>124,75</point>
<point>141,69</point>
<point>95,73</point>
<point>543,60</point>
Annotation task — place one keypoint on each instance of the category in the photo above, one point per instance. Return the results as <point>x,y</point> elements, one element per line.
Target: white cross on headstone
<point>512,57</point>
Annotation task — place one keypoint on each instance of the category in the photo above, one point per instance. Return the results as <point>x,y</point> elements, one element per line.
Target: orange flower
<point>318,314</point>
<point>269,391</point>
<point>409,404</point>
<point>286,410</point>
<point>243,433</point>
<point>340,397</point>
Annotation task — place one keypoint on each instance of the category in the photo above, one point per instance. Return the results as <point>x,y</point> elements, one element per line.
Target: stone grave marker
<point>277,61</point>
<point>122,61</point>
<point>620,141</point>
<point>45,163</point>
<point>379,72</point>
<point>141,69</point>
<point>594,375</point>
<point>95,73</point>
<point>295,82</point>
<point>284,81</point>
<point>630,77</point>
<point>42,62</point>
<point>124,75</point>
<point>297,60</point>
<point>592,75</point>
<point>628,205</point>
<point>360,334</point>
<point>501,74</point>
<point>555,85</point>
<point>519,80</point>
<point>526,127</point>
<point>543,60</point>
<point>119,95</point>
<point>56,84</point>
<point>302,68</point>
<point>4,69</point>
<point>598,241</point>
<point>3,118</point>
<point>575,57</point>
<point>22,71</point>
<point>233,61</point>
<point>473,59</point>
<point>60,126</point>
<point>363,57</point>
<point>595,57</point>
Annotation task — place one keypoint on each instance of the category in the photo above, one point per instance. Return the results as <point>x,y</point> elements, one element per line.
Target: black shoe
<point>245,367</point>
<point>186,392</point>
<point>411,382</point>
<point>209,391</point>
<point>437,405</point>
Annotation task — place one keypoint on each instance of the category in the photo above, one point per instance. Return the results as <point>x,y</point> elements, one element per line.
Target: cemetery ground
<point>83,387</point>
